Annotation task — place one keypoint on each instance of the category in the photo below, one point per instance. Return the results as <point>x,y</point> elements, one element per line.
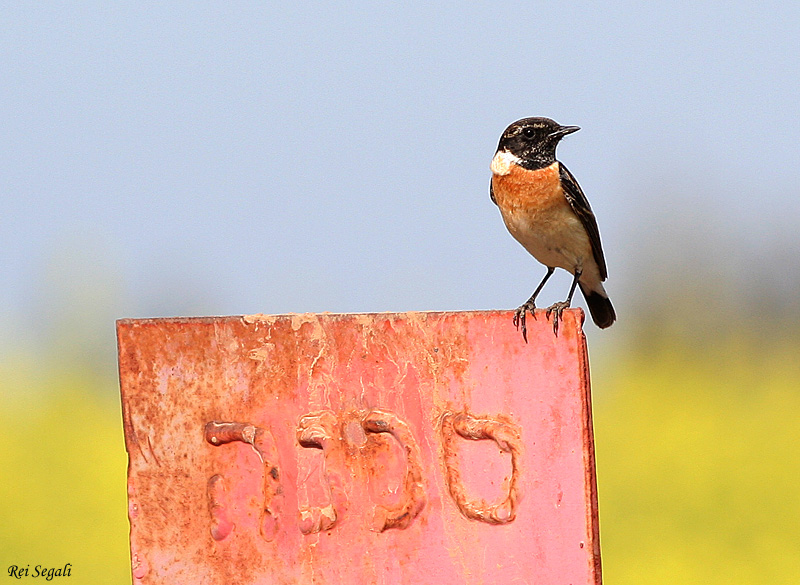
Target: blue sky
<point>228,158</point>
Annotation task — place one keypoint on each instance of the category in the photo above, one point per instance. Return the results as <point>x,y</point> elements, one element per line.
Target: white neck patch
<point>502,161</point>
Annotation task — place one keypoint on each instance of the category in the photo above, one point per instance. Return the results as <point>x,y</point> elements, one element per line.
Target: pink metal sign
<point>359,448</point>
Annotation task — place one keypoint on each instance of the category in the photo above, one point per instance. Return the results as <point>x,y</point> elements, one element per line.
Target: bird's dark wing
<point>580,205</point>
<point>491,192</point>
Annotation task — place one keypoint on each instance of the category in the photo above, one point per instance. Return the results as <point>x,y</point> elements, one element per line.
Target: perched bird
<point>546,211</point>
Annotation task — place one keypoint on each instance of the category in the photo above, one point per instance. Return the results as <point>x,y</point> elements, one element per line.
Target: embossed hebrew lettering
<point>347,449</point>
<point>263,443</point>
<point>413,499</point>
<point>219,507</point>
<point>507,436</point>
<point>320,430</point>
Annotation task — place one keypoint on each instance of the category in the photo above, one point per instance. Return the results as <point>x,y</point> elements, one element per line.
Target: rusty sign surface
<point>359,448</point>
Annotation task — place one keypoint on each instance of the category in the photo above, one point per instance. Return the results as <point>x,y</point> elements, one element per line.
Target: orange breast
<point>528,192</point>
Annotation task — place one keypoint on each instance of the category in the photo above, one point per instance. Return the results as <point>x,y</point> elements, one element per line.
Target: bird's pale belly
<point>538,215</point>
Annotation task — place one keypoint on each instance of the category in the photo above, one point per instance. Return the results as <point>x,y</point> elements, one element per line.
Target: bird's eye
<point>528,132</point>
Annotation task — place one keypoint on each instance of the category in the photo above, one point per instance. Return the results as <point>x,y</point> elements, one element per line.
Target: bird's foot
<point>556,309</point>
<point>519,317</point>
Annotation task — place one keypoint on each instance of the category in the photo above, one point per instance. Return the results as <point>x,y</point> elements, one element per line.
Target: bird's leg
<point>559,307</point>
<point>530,305</point>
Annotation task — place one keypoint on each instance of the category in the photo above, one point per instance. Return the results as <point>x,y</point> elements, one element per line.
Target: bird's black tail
<point>600,307</point>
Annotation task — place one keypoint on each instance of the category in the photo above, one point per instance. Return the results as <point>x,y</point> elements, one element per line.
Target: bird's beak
<point>563,131</point>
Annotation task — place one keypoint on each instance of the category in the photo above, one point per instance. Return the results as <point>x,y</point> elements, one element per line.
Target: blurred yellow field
<point>62,485</point>
<point>697,469</point>
<point>698,465</point>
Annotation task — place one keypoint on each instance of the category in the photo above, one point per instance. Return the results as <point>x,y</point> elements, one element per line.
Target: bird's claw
<point>557,309</point>
<point>519,318</point>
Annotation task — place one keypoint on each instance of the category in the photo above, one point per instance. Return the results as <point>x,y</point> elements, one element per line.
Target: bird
<point>546,211</point>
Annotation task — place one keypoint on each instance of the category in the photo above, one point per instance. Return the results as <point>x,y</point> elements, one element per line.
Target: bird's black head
<point>534,140</point>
